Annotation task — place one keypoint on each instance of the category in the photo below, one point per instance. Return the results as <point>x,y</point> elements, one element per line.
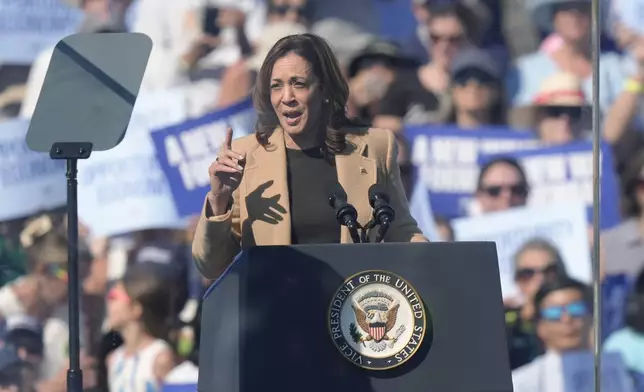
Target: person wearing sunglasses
<point>537,261</point>
<point>562,321</point>
<point>561,110</point>
<point>502,184</point>
<point>422,96</point>
<point>476,90</point>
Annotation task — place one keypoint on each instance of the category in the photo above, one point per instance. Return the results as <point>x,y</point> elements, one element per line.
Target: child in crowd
<point>139,308</point>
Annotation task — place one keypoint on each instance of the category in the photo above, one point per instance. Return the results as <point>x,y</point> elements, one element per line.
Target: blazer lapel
<point>356,173</point>
<point>267,199</point>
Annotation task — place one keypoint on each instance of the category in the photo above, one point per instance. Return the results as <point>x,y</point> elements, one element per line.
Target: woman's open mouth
<point>292,117</point>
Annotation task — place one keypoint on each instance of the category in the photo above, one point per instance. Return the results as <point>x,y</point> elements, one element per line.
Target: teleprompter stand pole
<point>72,152</point>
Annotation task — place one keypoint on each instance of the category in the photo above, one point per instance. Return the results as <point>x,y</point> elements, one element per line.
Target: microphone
<point>383,213</point>
<point>345,213</point>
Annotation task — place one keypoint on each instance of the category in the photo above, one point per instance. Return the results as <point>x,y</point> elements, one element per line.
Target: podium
<point>359,318</point>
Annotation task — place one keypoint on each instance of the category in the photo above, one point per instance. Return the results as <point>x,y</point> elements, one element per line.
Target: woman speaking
<point>272,188</point>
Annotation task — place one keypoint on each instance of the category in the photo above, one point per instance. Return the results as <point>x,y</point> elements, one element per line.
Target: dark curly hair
<point>469,20</point>
<point>317,52</point>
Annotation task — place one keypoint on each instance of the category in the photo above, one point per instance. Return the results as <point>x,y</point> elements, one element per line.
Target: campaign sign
<point>447,161</point>
<point>29,181</point>
<point>124,189</point>
<point>185,151</point>
<point>565,173</point>
<point>563,225</point>
<point>615,290</point>
<point>27,27</point>
<point>578,371</point>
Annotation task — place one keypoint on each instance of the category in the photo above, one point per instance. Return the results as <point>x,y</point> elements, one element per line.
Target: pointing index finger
<point>228,140</point>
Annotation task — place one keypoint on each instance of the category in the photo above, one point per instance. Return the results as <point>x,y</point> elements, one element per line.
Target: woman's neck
<point>472,119</point>
<point>135,338</point>
<point>306,140</point>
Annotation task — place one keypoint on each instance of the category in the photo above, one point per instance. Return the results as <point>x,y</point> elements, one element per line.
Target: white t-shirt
<point>544,374</point>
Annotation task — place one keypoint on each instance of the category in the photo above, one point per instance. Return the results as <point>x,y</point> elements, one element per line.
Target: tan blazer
<point>370,157</point>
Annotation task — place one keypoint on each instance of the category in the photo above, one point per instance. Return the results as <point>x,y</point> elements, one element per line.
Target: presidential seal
<point>377,320</point>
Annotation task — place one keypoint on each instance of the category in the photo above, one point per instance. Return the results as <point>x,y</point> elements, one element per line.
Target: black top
<point>409,100</point>
<point>310,177</point>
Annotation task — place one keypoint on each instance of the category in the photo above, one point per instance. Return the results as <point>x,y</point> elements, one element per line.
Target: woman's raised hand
<point>225,175</point>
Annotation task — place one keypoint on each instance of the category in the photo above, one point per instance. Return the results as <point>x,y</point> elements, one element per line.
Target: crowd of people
<point>471,64</point>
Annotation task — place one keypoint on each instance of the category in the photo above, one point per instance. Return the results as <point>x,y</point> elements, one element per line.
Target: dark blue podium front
<point>265,321</point>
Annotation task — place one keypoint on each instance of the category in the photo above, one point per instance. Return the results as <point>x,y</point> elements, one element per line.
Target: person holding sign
<point>272,188</point>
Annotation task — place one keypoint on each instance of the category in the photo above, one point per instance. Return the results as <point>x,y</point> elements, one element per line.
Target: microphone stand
<point>382,230</point>
<point>353,230</point>
<point>382,218</point>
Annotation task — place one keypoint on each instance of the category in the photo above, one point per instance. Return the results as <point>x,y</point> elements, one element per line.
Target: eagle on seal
<point>376,320</point>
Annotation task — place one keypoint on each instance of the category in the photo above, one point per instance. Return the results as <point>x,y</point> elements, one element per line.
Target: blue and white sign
<point>29,181</point>
<point>565,173</point>
<point>124,189</point>
<point>28,27</point>
<point>563,225</point>
<point>186,150</point>
<point>447,161</point>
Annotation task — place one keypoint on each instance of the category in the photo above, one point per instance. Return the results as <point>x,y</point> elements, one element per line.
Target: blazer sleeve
<point>404,227</point>
<point>217,239</point>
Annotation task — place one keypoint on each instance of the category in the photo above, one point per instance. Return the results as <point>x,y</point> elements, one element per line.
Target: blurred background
<point>491,101</point>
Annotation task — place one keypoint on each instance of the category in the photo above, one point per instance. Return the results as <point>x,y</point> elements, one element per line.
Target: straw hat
<point>271,34</point>
<point>561,89</point>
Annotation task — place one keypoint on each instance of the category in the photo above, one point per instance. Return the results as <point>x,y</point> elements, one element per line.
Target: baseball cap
<point>380,49</point>
<point>474,58</point>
